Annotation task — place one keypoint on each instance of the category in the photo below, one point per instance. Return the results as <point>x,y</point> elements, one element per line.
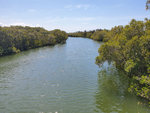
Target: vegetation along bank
<point>17,38</point>
<point>128,48</point>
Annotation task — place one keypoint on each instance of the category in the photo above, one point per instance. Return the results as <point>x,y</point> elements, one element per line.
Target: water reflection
<point>112,95</point>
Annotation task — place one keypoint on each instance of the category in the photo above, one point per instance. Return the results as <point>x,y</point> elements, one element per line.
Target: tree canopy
<point>17,38</point>
<point>129,50</point>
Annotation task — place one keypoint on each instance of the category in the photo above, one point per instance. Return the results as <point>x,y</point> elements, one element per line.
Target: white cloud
<point>15,24</point>
<point>69,19</point>
<point>38,25</point>
<point>1,24</point>
<point>83,6</point>
<point>19,24</point>
<point>71,24</point>
<point>78,6</point>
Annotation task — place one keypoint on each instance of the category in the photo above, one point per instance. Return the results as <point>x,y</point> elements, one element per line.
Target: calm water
<point>63,79</point>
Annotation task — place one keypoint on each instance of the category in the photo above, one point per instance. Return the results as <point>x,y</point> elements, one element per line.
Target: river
<point>64,79</point>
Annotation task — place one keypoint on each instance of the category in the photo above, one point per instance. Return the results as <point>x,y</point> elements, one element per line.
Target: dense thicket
<point>17,38</point>
<point>129,49</point>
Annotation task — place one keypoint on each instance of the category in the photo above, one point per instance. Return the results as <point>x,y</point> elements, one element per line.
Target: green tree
<point>129,50</point>
<point>17,38</point>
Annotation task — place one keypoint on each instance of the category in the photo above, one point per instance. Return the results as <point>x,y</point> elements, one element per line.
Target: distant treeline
<point>17,38</point>
<point>98,34</point>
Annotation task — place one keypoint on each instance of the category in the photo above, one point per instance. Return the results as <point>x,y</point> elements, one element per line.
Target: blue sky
<point>71,15</point>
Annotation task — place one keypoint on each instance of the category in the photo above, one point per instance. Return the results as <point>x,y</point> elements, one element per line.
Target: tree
<point>147,4</point>
<point>17,38</point>
<point>129,50</point>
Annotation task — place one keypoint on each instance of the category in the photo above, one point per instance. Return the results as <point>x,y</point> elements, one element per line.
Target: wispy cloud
<point>15,24</point>
<point>83,6</point>
<point>78,6</point>
<point>77,19</point>
<point>20,23</point>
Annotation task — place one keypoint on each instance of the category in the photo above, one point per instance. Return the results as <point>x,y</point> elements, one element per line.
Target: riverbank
<point>128,47</point>
<point>98,35</point>
<point>15,39</point>
<point>129,50</point>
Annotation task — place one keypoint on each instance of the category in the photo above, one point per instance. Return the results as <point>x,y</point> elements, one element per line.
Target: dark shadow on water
<point>112,94</point>
<point>29,51</point>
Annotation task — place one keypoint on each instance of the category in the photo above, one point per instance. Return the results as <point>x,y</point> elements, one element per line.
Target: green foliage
<point>15,50</point>
<point>61,36</point>
<point>116,30</point>
<point>1,51</point>
<point>135,28</point>
<point>17,38</point>
<point>129,65</point>
<point>129,49</point>
<point>99,35</point>
<point>141,86</point>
